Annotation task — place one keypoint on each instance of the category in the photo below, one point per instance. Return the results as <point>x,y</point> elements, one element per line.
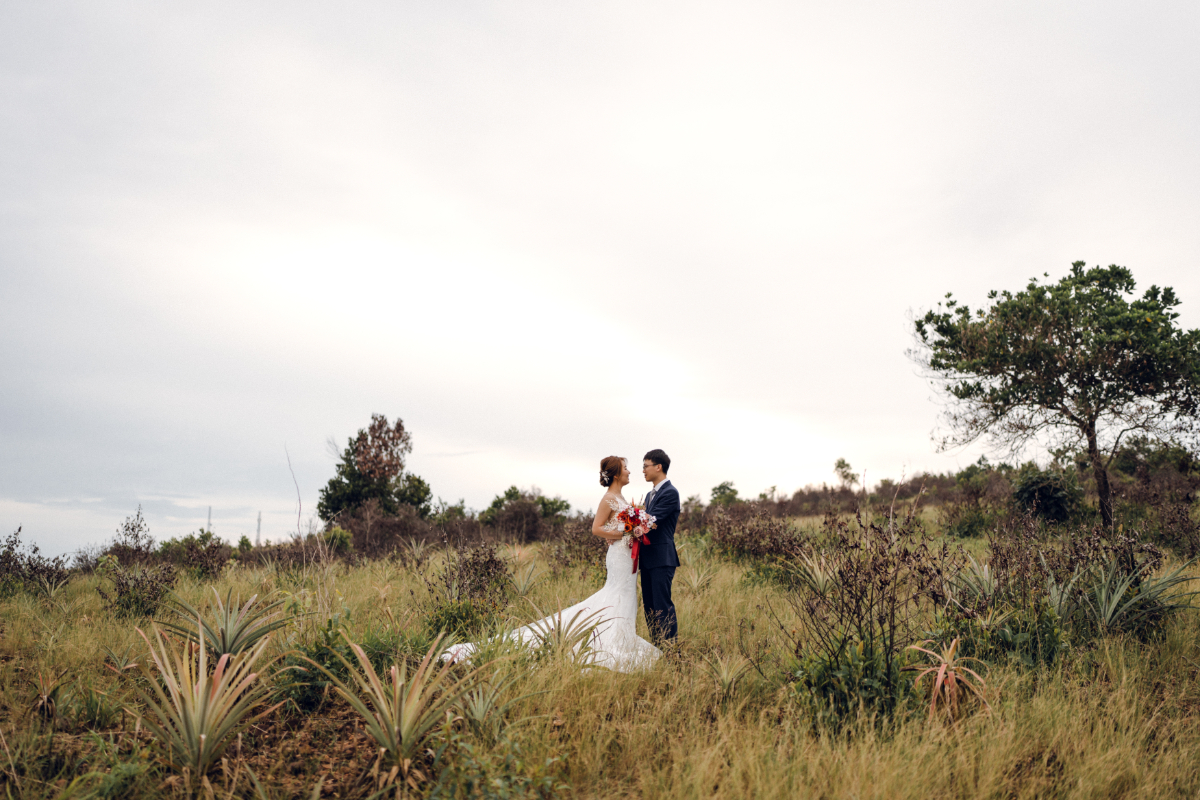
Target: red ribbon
<point>635,546</point>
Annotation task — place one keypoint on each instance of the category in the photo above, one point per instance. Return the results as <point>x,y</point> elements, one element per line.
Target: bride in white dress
<point>613,610</point>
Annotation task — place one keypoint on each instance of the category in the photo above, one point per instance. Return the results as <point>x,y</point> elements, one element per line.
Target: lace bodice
<point>617,505</point>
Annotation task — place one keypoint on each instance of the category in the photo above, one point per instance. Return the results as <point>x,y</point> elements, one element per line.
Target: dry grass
<point>1122,720</point>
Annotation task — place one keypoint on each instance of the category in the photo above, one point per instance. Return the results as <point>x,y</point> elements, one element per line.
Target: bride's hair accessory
<point>610,468</point>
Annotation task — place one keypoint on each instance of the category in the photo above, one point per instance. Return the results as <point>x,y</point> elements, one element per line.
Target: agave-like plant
<point>696,579</point>
<point>482,710</point>
<point>525,578</point>
<point>953,680</point>
<point>121,662</point>
<point>572,640</point>
<point>416,551</point>
<point>234,629</point>
<point>1063,598</point>
<point>977,581</point>
<point>726,672</point>
<point>814,572</point>
<point>196,715</point>
<point>46,698</point>
<point>401,713</point>
<point>1123,600</point>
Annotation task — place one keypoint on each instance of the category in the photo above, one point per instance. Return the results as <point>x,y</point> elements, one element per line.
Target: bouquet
<point>636,524</point>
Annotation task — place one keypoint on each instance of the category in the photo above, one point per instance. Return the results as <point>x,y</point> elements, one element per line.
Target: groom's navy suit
<point>658,562</point>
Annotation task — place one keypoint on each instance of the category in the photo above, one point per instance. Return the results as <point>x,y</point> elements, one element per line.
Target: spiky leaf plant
<point>402,712</point>
<point>1122,600</point>
<point>572,641</point>
<point>953,680</point>
<point>417,552</point>
<point>726,672</point>
<point>695,579</point>
<point>812,572</point>
<point>481,707</point>
<point>525,578</point>
<point>976,583</point>
<point>233,630</point>
<point>193,714</point>
<point>47,696</point>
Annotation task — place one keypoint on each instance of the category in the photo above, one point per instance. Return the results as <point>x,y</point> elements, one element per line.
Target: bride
<point>614,640</point>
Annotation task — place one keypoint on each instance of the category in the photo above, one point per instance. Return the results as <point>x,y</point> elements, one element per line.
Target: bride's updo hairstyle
<point>610,468</point>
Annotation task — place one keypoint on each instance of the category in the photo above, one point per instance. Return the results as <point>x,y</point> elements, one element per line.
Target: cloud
<point>540,234</point>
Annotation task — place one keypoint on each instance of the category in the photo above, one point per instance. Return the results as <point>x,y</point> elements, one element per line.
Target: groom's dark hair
<point>660,458</point>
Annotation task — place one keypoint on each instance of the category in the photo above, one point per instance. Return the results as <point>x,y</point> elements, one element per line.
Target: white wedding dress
<point>614,642</point>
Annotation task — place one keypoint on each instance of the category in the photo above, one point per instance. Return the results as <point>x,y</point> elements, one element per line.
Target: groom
<point>658,560</point>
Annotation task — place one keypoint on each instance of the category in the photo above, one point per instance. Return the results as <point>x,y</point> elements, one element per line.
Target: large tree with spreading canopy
<point>1075,364</point>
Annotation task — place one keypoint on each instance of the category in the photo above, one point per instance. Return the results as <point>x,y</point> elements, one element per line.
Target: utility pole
<point>258,535</point>
<point>209,528</point>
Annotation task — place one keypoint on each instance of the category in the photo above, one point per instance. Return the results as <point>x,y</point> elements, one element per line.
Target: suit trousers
<point>656,601</point>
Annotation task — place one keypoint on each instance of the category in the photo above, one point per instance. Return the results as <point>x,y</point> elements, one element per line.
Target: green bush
<point>339,540</point>
<point>1053,495</point>
<point>858,678</point>
<point>967,521</point>
<point>1026,635</point>
<point>138,591</point>
<point>469,592</point>
<point>470,771</point>
<point>305,688</point>
<point>461,617</point>
<point>202,554</point>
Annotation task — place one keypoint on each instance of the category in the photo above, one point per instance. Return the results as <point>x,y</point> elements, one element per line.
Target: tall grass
<point>1121,718</point>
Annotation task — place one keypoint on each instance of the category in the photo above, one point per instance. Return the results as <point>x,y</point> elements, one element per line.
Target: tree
<point>723,494</point>
<point>845,473</point>
<point>1070,364</point>
<point>372,467</point>
<point>525,513</point>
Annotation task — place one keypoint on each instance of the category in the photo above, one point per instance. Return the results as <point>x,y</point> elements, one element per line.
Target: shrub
<point>470,591</point>
<point>965,520</point>
<point>836,684</point>
<point>1175,528</point>
<point>753,534</point>
<point>1087,582</point>
<point>303,688</point>
<point>133,543</point>
<point>202,554</point>
<point>45,576</point>
<point>499,774</point>
<point>528,516</point>
<point>138,591</point>
<point>25,568</point>
<point>860,601</point>
<point>1053,495</point>
<point>1028,636</point>
<point>374,534</point>
<point>461,616</point>
<point>339,540</point>
<point>572,546</point>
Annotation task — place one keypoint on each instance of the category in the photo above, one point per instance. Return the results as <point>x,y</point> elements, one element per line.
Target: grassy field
<point>1117,718</point>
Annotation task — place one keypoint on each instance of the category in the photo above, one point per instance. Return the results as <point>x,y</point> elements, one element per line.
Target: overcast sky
<point>541,233</point>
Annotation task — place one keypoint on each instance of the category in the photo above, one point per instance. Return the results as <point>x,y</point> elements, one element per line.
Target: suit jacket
<point>665,507</point>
